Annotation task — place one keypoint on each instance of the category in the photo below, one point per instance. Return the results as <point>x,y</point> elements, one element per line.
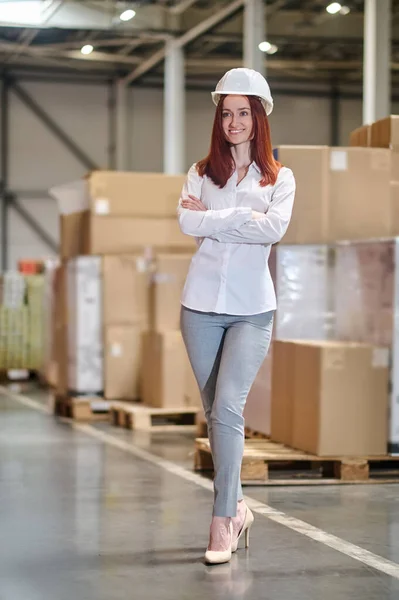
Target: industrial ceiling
<point>307,42</point>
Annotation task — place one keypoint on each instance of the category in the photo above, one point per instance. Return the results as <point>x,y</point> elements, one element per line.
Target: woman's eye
<point>225,115</point>
<point>244,113</point>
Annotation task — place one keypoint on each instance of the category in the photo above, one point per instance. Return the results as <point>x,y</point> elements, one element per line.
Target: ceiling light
<point>264,46</point>
<point>345,10</point>
<point>334,8</point>
<point>87,49</point>
<point>127,15</point>
<point>268,47</point>
<point>273,49</point>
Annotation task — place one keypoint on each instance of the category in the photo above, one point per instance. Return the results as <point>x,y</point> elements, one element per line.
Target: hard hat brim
<point>265,103</point>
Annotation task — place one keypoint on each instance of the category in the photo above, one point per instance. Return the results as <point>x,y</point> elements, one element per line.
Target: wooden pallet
<point>201,428</point>
<point>253,434</point>
<point>202,431</point>
<point>82,409</point>
<point>269,463</point>
<point>17,375</point>
<point>148,418</point>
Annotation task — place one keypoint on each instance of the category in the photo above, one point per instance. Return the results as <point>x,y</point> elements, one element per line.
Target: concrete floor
<point>82,519</point>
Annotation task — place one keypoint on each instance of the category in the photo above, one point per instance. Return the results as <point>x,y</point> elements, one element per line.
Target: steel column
<point>122,129</point>
<point>111,125</point>
<point>377,60</point>
<point>254,34</point>
<point>174,110</point>
<point>4,144</point>
<point>335,102</point>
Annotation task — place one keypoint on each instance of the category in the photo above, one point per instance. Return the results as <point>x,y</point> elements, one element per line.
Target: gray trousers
<point>226,352</point>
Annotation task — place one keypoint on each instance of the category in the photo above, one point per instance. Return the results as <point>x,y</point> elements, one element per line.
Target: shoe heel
<point>247,537</point>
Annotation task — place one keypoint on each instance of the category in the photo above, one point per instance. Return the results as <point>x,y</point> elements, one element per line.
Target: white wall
<point>38,160</point>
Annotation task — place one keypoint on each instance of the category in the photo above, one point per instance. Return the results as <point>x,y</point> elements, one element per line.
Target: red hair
<point>219,164</point>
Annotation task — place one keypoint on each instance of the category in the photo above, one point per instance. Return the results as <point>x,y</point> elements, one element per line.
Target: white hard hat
<point>244,82</point>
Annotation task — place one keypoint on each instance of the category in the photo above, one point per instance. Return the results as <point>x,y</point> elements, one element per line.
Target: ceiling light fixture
<point>127,15</point>
<point>268,47</point>
<point>273,49</point>
<point>334,8</point>
<point>87,49</point>
<point>345,10</point>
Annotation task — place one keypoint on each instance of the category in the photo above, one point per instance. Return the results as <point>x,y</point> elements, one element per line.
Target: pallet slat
<point>81,409</point>
<point>262,457</point>
<point>148,418</point>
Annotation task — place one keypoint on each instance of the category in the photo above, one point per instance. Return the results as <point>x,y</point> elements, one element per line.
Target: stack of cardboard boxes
<point>114,227</point>
<point>120,213</point>
<point>166,369</point>
<point>332,397</point>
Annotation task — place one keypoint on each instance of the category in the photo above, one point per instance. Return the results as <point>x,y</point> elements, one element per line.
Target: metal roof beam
<point>189,36</point>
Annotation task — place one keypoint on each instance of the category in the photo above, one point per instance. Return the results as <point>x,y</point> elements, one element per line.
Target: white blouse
<point>229,274</point>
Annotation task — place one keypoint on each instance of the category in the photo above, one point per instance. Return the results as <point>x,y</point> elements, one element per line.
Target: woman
<point>237,202</point>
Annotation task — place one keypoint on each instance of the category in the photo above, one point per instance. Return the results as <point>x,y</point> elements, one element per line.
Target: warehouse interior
<point>105,463</point>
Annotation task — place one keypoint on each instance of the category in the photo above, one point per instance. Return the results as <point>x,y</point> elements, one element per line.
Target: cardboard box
<point>394,166</point>
<point>282,392</point>
<point>192,393</point>
<point>385,133</point>
<point>394,208</point>
<point>168,279</point>
<point>74,234</point>
<point>337,190</point>
<point>360,136</point>
<point>121,235</point>
<point>165,365</point>
<point>127,194</point>
<point>257,412</point>
<point>339,396</point>
<point>85,333</point>
<point>125,290</point>
<point>83,233</point>
<point>359,193</point>
<point>310,164</point>
<point>122,362</point>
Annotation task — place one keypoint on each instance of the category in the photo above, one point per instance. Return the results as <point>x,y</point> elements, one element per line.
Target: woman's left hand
<point>193,203</point>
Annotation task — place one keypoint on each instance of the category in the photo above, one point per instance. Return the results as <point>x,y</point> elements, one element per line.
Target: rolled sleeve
<point>210,222</point>
<point>271,228</point>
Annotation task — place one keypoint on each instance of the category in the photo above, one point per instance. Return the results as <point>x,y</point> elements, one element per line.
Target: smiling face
<point>237,119</point>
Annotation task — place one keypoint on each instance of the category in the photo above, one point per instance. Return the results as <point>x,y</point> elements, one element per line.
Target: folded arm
<point>210,222</point>
<point>271,227</point>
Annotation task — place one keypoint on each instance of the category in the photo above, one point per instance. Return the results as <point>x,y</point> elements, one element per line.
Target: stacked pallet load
<point>335,401</point>
<point>169,394</point>
<point>367,272</point>
<point>21,324</point>
<point>113,226</point>
<point>326,394</point>
<point>339,205</point>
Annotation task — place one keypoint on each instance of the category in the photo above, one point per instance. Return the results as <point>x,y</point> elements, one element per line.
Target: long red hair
<point>219,164</point>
